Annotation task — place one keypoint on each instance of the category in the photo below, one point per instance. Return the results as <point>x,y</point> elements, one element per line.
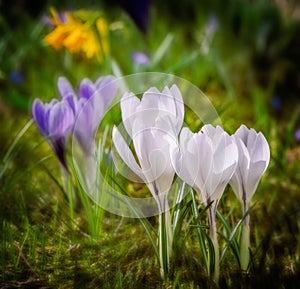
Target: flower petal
<point>179,105</point>
<point>256,171</point>
<point>86,88</point>
<point>171,105</point>
<point>39,116</point>
<point>129,104</point>
<point>125,153</point>
<point>242,133</point>
<point>180,166</point>
<point>64,87</point>
<point>83,128</point>
<point>259,150</point>
<point>107,87</point>
<point>61,120</point>
<point>151,99</point>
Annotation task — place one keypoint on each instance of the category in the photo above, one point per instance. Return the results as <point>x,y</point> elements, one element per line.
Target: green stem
<point>70,193</point>
<point>214,260</point>
<point>163,250</point>
<point>245,243</point>
<point>165,239</point>
<point>200,234</point>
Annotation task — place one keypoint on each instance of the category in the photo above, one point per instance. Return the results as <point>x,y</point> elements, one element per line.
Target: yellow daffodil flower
<point>87,35</point>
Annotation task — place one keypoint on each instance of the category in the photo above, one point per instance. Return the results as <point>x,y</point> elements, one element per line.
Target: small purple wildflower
<point>297,135</point>
<point>140,58</point>
<point>16,77</point>
<point>276,102</point>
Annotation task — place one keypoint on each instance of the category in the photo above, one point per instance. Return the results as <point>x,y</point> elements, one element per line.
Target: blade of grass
<point>162,49</point>
<point>144,222</point>
<point>8,156</point>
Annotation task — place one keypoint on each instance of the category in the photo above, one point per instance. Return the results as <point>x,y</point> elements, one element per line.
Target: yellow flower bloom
<point>79,35</point>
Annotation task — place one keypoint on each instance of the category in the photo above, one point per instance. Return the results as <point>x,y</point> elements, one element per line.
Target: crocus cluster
<point>74,114</point>
<point>207,160</point>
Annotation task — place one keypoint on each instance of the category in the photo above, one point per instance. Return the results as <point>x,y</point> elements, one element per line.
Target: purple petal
<point>86,89</point>
<point>61,120</point>
<point>72,102</point>
<point>107,88</point>
<point>83,129</point>
<point>64,87</point>
<point>39,116</point>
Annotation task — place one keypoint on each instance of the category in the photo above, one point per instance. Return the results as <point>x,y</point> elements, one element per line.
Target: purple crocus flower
<point>89,108</point>
<point>55,120</point>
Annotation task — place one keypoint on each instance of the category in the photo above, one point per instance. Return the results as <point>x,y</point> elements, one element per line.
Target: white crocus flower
<point>254,157</point>
<point>206,161</point>
<point>153,123</point>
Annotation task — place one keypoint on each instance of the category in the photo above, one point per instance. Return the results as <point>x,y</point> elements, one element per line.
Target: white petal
<point>222,181</point>
<point>179,104</point>
<point>256,171</point>
<point>242,133</point>
<point>150,99</point>
<point>239,178</point>
<point>171,104</point>
<point>166,102</point>
<point>185,136</point>
<point>260,149</point>
<point>179,164</point>
<point>162,171</point>
<point>204,157</point>
<point>243,158</point>
<point>143,142</point>
<point>251,138</point>
<point>129,104</point>
<point>183,157</point>
<point>209,130</point>
<point>125,153</point>
<point>237,185</point>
